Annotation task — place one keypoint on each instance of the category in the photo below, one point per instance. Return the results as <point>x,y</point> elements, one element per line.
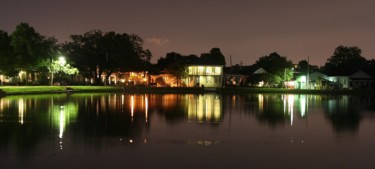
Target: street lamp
<point>61,61</point>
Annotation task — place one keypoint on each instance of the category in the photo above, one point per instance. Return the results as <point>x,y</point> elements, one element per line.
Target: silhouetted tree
<point>215,57</point>
<point>31,49</point>
<point>170,58</point>
<point>7,61</point>
<point>345,60</point>
<point>96,52</point>
<point>279,67</point>
<point>303,66</point>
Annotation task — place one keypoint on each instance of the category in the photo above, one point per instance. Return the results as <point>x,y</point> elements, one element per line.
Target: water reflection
<point>21,110</point>
<point>204,108</point>
<point>26,120</point>
<point>344,112</point>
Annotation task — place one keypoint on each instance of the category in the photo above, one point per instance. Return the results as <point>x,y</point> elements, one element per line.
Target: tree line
<point>97,53</point>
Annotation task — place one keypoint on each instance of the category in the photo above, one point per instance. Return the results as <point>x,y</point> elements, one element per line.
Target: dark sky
<point>243,29</point>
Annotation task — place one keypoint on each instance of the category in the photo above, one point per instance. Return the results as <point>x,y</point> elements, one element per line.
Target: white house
<point>204,76</point>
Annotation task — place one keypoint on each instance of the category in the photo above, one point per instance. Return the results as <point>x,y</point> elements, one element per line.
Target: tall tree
<point>345,60</point>
<point>280,68</point>
<point>28,46</point>
<point>31,49</point>
<point>303,66</point>
<point>170,58</point>
<point>95,53</point>
<point>215,57</point>
<point>7,61</point>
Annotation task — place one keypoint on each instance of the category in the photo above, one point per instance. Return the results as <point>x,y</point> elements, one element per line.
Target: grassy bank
<point>20,90</point>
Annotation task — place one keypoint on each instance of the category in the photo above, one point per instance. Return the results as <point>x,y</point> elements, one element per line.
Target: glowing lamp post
<point>61,62</point>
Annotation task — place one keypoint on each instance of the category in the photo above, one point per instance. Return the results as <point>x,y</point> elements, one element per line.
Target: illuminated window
<point>200,70</point>
<point>218,71</point>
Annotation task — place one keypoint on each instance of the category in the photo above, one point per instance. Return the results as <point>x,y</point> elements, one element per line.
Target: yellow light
<point>21,110</point>
<point>61,121</point>
<point>146,109</point>
<point>132,108</point>
<point>62,60</point>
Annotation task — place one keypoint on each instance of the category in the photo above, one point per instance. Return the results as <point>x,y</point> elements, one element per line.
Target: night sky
<point>243,29</point>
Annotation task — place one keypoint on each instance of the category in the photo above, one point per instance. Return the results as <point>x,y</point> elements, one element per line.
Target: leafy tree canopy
<point>345,60</point>
<point>303,66</point>
<point>274,63</point>
<point>215,57</point>
<point>96,52</point>
<point>279,67</point>
<point>30,48</point>
<point>7,61</point>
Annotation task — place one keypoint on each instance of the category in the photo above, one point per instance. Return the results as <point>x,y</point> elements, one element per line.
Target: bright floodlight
<point>62,60</point>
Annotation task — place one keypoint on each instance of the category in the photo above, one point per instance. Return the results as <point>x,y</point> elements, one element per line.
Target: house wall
<point>128,78</point>
<point>361,80</point>
<point>207,76</point>
<point>341,81</point>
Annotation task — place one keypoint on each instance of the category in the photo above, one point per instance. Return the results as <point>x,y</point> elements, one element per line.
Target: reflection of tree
<point>345,121</point>
<point>267,108</point>
<point>273,112</point>
<point>171,106</point>
<point>35,124</point>
<point>106,116</point>
<point>343,114</point>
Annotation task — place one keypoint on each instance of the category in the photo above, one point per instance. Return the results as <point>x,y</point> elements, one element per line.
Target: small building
<point>258,77</point>
<point>235,75</point>
<point>128,78</point>
<point>361,80</point>
<point>164,80</point>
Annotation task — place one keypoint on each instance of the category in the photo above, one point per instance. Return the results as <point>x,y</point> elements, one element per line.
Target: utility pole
<point>230,57</point>
<point>308,73</point>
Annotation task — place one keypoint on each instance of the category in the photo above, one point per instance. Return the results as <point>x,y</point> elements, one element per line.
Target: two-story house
<point>204,76</point>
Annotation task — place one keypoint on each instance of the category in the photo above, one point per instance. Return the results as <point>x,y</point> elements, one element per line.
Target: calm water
<point>187,131</point>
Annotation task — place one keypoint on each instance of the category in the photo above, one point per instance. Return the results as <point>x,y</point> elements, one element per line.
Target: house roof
<point>244,70</point>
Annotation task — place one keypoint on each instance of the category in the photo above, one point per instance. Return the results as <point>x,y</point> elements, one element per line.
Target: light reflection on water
<point>153,127</point>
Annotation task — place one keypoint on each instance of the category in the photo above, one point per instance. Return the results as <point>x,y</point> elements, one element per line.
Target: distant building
<point>258,77</point>
<point>235,75</point>
<point>361,80</point>
<point>164,80</point>
<point>317,80</point>
<point>128,78</point>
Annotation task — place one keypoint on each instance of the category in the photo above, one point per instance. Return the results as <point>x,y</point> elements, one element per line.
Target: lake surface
<point>187,131</point>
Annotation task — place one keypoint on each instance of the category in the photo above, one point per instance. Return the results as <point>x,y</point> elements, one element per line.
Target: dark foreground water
<point>90,131</point>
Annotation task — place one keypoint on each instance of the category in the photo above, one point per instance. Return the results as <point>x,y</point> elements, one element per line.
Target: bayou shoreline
<point>26,90</point>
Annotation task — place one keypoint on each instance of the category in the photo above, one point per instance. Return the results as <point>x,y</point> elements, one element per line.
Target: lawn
<point>53,89</point>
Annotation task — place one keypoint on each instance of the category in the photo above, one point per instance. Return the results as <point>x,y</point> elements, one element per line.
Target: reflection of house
<point>204,108</point>
<point>204,75</point>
